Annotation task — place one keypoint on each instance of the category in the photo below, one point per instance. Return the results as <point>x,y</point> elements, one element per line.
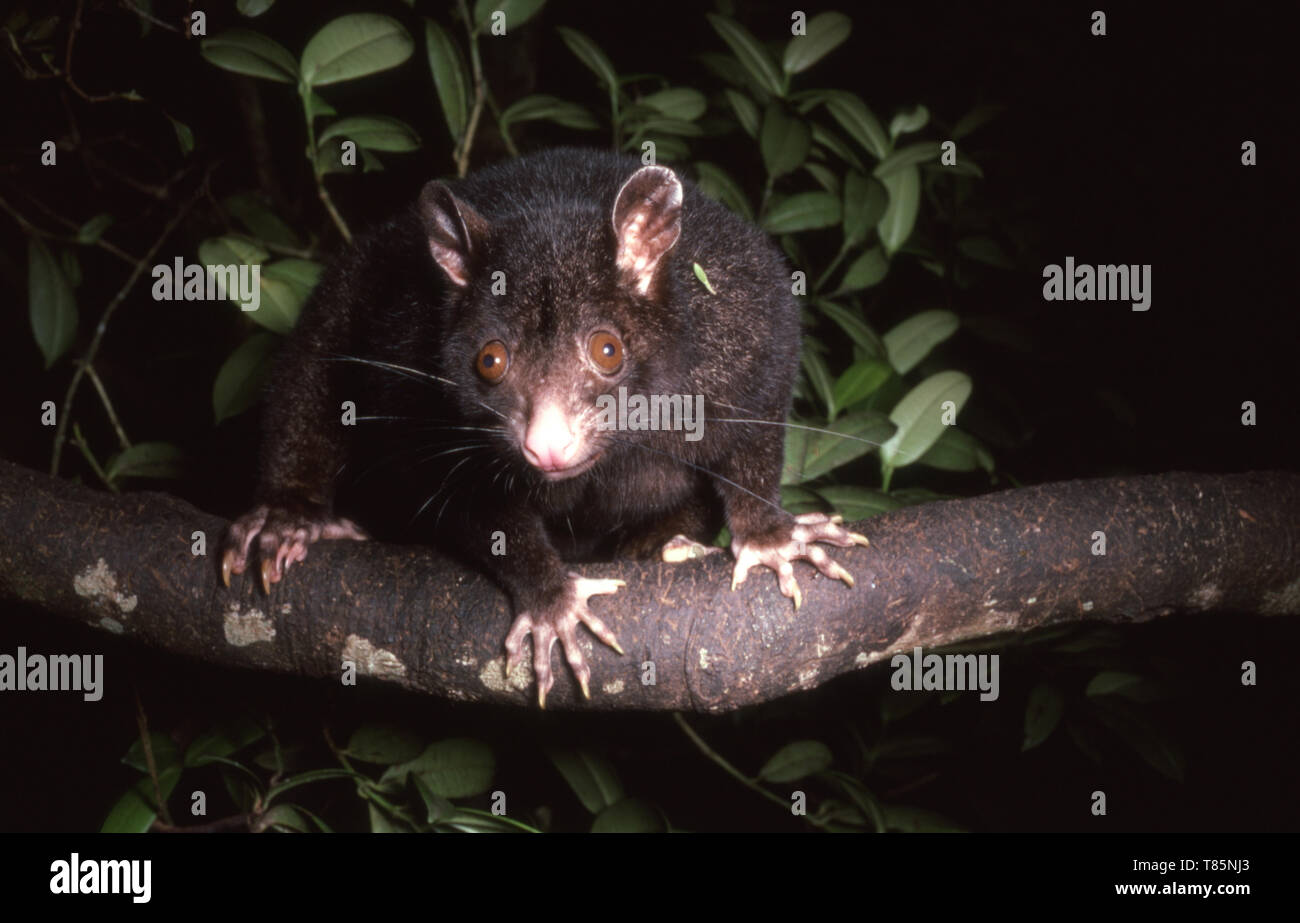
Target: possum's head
<point>555,303</point>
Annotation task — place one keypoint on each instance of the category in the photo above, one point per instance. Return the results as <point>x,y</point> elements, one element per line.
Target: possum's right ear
<point>455,231</point>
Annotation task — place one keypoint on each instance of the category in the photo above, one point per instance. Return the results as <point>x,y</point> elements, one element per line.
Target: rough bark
<point>935,574</point>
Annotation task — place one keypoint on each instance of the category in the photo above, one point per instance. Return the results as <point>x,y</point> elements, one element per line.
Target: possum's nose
<point>550,442</point>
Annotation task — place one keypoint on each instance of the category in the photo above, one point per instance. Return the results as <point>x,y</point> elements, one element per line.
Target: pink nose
<point>550,444</point>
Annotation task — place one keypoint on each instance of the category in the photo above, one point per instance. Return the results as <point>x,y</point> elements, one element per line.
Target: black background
<point>1122,149</point>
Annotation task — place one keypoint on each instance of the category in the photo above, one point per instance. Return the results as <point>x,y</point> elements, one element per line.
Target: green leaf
<point>746,111</point>
<point>552,109</point>
<point>975,118</point>
<point>867,270</point>
<point>784,141</point>
<point>859,121</point>
<point>260,220</point>
<point>724,67</point>
<point>184,137</point>
<point>284,288</point>
<point>317,106</point>
<point>906,122</point>
<point>353,46</point>
<point>591,777</point>
<point>1149,741</point>
<point>854,503</point>
<point>851,323</point>
<point>589,53</point>
<point>383,744</point>
<point>717,184</point>
<point>304,274</point>
<point>311,777</point>
<point>824,176</point>
<point>517,12</point>
<point>819,376</point>
<point>223,740</point>
<point>703,277</point>
<point>918,820</point>
<point>803,211</point>
<point>631,815</point>
<point>896,224</point>
<point>1111,683</point>
<point>252,53</point>
<point>437,808</point>
<point>865,199</point>
<point>71,267</point>
<point>920,152</point>
<point>825,32</point>
<point>51,306</point>
<point>253,8</point>
<point>752,55</point>
<point>810,453</point>
<point>456,768</point>
<point>92,230</point>
<point>146,460</point>
<point>374,132</point>
<point>796,761</point>
<point>670,127</point>
<point>382,822</point>
<point>165,754</point>
<point>450,77</point>
<point>800,500</point>
<point>134,812</point>
<point>984,249</point>
<point>231,250</point>
<point>243,375</point>
<point>285,818</point>
<point>957,451</point>
<point>824,137</point>
<point>919,417</point>
<point>1043,714</point>
<point>681,103</point>
<point>911,341</point>
<point>859,381</point>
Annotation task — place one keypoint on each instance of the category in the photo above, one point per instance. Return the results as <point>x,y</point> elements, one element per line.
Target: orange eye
<point>606,351</point>
<point>492,362</point>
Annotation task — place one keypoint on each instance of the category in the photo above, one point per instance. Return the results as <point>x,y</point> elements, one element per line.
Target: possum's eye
<point>492,362</point>
<point>606,351</point>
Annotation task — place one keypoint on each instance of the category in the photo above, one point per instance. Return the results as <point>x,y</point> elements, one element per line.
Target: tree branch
<point>936,574</point>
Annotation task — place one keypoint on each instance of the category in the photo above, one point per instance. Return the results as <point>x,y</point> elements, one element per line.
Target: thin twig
<point>48,235</point>
<point>108,406</point>
<point>61,434</point>
<point>480,91</point>
<point>80,442</point>
<point>146,743</point>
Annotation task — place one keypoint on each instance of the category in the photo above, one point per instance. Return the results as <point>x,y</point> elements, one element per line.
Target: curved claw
<point>807,529</point>
<point>559,622</point>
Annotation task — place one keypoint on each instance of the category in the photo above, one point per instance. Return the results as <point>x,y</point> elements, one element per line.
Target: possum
<point>561,358</point>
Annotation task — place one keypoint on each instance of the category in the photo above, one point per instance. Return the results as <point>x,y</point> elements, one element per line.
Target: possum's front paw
<point>555,620</point>
<point>282,536</point>
<point>795,545</point>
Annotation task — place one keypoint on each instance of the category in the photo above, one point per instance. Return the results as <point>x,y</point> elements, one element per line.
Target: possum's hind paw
<point>558,621</point>
<point>798,545</point>
<point>282,537</point>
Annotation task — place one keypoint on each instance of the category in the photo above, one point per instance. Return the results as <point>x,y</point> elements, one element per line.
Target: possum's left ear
<point>455,231</point>
<point>647,223</point>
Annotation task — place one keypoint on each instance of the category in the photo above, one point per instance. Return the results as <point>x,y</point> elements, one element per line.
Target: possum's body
<point>479,334</point>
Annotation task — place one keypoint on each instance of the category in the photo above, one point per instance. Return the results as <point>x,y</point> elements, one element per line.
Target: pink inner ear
<point>451,261</point>
<point>647,221</point>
